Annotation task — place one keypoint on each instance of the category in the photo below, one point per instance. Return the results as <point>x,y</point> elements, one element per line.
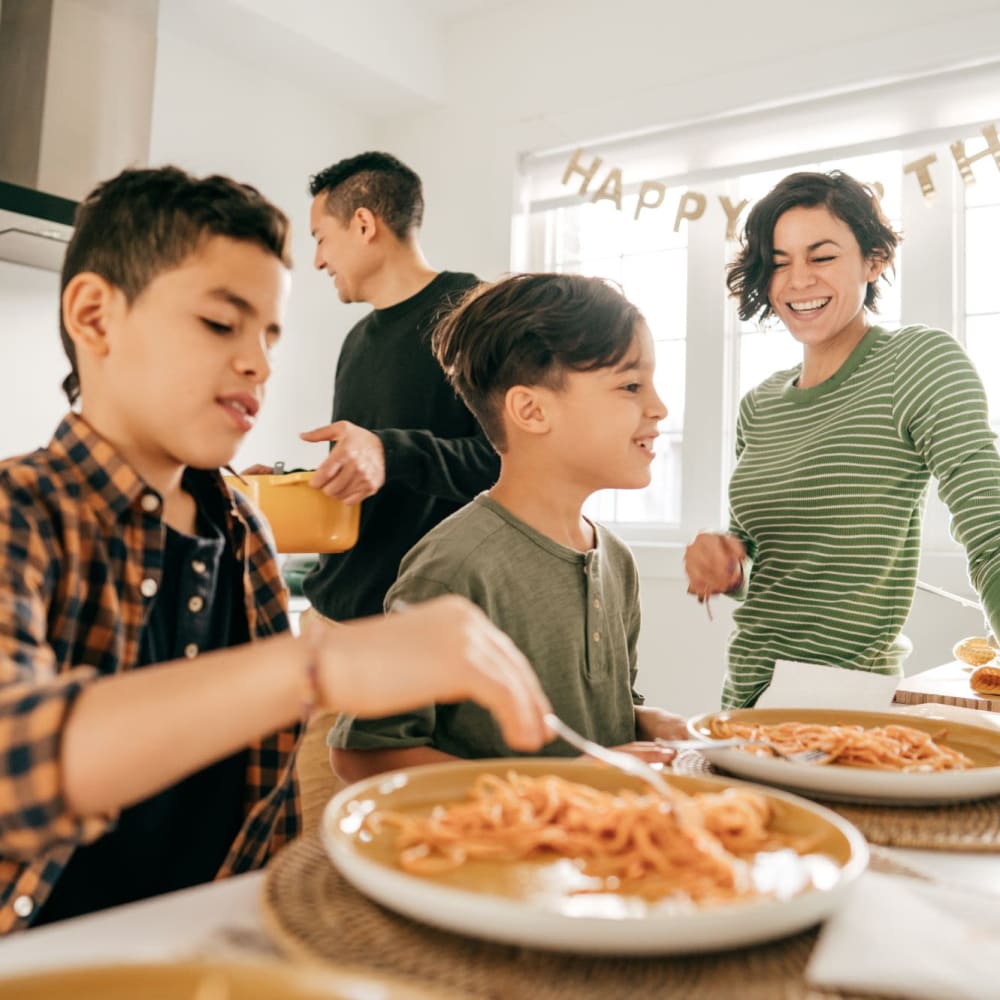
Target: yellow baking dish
<point>302,518</point>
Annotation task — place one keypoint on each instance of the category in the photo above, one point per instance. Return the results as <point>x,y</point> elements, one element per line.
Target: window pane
<point>764,352</point>
<point>982,289</point>
<point>671,358</point>
<point>657,284</point>
<point>985,190</point>
<point>660,502</point>
<point>649,260</point>
<point>982,341</point>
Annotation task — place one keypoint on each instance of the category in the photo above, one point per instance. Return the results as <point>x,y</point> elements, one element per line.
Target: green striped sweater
<point>828,496</point>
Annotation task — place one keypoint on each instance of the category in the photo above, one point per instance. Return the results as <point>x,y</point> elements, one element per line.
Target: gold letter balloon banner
<point>692,204</point>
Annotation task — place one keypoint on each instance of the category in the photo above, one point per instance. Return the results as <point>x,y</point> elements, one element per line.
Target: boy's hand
<point>658,724</point>
<point>258,470</point>
<point>355,467</point>
<point>651,753</point>
<point>714,563</point>
<point>444,650</point>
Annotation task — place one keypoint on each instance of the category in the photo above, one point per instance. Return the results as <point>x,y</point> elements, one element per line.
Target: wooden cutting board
<point>948,684</point>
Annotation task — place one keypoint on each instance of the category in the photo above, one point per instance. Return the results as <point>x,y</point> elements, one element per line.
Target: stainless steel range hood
<point>76,95</point>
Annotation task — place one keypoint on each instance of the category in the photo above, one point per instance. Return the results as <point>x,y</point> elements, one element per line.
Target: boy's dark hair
<point>145,221</point>
<point>749,275</point>
<point>530,329</point>
<point>379,182</point>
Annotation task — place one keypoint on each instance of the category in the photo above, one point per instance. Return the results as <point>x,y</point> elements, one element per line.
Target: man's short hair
<point>143,222</point>
<point>530,329</point>
<point>379,182</point>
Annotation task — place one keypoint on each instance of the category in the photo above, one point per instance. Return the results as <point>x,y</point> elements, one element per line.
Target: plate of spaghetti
<point>569,855</point>
<point>871,756</point>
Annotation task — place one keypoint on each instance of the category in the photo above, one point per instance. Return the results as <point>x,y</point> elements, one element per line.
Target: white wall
<point>215,112</point>
<point>547,74</point>
<point>32,362</point>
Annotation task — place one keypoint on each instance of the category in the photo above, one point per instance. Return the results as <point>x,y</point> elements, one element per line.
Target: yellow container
<point>303,519</point>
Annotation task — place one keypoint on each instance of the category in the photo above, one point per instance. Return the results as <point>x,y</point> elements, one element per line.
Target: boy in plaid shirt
<point>139,751</point>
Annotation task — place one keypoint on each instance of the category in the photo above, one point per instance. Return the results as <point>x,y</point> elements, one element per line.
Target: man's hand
<point>355,467</point>
<point>714,564</point>
<point>443,650</point>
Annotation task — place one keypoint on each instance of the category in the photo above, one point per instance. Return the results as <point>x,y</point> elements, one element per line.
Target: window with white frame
<point>707,358</point>
<point>980,326</point>
<point>649,261</point>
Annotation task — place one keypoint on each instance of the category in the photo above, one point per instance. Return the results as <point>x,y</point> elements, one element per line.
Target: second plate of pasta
<point>569,855</point>
<point>889,757</point>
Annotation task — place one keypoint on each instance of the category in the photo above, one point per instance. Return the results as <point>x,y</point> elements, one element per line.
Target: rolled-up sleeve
<point>393,732</point>
<point>34,701</point>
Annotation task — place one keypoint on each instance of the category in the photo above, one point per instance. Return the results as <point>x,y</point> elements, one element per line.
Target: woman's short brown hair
<point>749,275</point>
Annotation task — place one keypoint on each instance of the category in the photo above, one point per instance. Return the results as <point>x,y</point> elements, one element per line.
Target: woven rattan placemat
<point>962,826</point>
<point>313,913</point>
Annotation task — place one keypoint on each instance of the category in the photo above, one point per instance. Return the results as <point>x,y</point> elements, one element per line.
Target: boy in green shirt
<point>558,369</point>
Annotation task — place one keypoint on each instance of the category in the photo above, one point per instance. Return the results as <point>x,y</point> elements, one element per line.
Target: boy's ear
<point>87,303</point>
<point>524,409</point>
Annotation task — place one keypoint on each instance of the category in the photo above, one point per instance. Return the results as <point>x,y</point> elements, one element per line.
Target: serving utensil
<point>964,601</point>
<point>799,757</point>
<point>625,762</point>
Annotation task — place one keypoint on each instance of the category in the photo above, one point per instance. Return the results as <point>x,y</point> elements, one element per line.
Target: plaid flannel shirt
<point>81,553</point>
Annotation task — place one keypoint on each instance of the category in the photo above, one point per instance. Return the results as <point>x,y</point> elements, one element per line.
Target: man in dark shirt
<point>403,442</point>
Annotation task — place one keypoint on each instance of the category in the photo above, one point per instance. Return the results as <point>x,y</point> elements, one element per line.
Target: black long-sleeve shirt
<point>436,455</point>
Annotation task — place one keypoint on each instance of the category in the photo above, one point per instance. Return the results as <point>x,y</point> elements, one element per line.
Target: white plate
<point>532,903</point>
<point>857,783</point>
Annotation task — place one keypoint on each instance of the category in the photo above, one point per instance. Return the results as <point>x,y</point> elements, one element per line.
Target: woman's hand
<point>714,564</point>
<point>443,650</point>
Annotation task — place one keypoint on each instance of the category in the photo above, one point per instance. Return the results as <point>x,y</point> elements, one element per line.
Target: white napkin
<point>901,937</point>
<point>815,685</point>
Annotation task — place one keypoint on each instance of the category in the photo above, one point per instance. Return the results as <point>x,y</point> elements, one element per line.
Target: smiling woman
<point>835,454</point>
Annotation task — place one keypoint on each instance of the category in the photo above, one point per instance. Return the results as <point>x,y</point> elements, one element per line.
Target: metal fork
<point>615,758</point>
<point>800,757</point>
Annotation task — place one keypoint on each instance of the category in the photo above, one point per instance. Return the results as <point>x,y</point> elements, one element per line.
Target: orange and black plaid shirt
<point>81,552</point>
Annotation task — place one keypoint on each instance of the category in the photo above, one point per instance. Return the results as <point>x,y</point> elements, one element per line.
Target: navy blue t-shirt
<point>180,836</point>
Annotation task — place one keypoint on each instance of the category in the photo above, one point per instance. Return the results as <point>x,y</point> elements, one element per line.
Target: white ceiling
<point>451,10</point>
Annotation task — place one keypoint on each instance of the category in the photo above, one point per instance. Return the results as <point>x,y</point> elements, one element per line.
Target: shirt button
<point>191,650</point>
<point>195,604</point>
<point>148,587</point>
<point>150,502</point>
<point>596,637</point>
<point>198,566</point>
<point>23,906</point>
<point>597,602</point>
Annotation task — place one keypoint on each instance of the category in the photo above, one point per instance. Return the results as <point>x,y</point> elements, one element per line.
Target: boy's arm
<point>353,765</point>
<point>88,748</point>
<point>362,747</point>
<point>653,723</point>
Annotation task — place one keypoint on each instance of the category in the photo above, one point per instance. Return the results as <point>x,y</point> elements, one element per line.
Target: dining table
<point>227,920</point>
